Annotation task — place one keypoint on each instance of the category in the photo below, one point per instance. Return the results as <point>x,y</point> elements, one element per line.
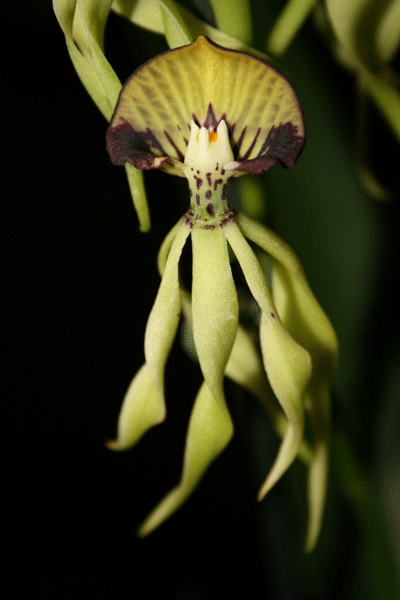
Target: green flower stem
<point>147,14</point>
<point>287,25</point>
<point>138,194</point>
<point>83,23</point>
<point>175,29</point>
<point>358,491</point>
<point>386,97</point>
<point>234,17</point>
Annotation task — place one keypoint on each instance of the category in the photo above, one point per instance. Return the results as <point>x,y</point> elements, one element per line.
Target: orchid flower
<point>207,113</point>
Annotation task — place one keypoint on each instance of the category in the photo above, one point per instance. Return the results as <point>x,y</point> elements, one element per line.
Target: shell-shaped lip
<point>206,83</point>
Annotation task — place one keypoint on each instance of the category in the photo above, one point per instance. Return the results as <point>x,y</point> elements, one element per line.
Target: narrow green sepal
<point>214,305</point>
<point>210,429</point>
<point>287,364</point>
<point>142,408</point>
<point>165,314</point>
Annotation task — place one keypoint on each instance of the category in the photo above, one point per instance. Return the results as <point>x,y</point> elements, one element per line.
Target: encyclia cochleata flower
<point>209,114</point>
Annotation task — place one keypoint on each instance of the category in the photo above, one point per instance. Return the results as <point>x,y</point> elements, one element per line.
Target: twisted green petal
<point>164,317</point>
<point>214,305</point>
<point>210,429</point>
<point>142,408</point>
<point>287,364</point>
<point>310,327</point>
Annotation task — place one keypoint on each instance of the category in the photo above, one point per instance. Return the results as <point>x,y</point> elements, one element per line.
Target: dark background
<point>78,283</point>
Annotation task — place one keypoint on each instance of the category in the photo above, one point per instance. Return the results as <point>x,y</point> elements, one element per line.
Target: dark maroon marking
<point>124,144</point>
<point>236,147</point>
<point>198,172</point>
<point>208,194</point>
<point>190,192</point>
<point>222,171</point>
<point>210,210</point>
<point>197,199</point>
<point>190,212</point>
<point>186,141</point>
<point>208,175</point>
<point>225,189</point>
<point>199,181</point>
<point>210,120</point>
<point>208,227</point>
<point>216,168</point>
<point>282,146</point>
<point>272,315</point>
<point>171,141</point>
<point>248,152</point>
<point>229,219</point>
<point>187,221</point>
<point>217,182</point>
<point>195,119</point>
<point>179,128</point>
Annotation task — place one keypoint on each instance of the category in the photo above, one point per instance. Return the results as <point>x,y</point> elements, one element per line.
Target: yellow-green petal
<point>94,15</point>
<point>214,304</point>
<point>142,408</point>
<point>245,368</point>
<point>287,364</point>
<point>165,314</point>
<point>210,429</point>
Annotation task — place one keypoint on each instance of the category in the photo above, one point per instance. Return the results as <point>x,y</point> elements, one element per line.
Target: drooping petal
<point>287,364</point>
<point>210,429</point>
<point>142,408</point>
<point>164,317</point>
<point>288,367</point>
<point>307,323</point>
<point>319,400</point>
<point>214,305</point>
<point>83,24</point>
<point>245,368</point>
<point>296,304</point>
<point>206,83</point>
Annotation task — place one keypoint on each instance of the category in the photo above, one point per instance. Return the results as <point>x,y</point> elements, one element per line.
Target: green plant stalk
<point>358,491</point>
<point>234,18</point>
<point>287,25</point>
<point>386,98</point>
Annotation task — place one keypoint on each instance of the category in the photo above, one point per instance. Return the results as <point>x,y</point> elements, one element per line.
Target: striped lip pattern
<point>205,83</point>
